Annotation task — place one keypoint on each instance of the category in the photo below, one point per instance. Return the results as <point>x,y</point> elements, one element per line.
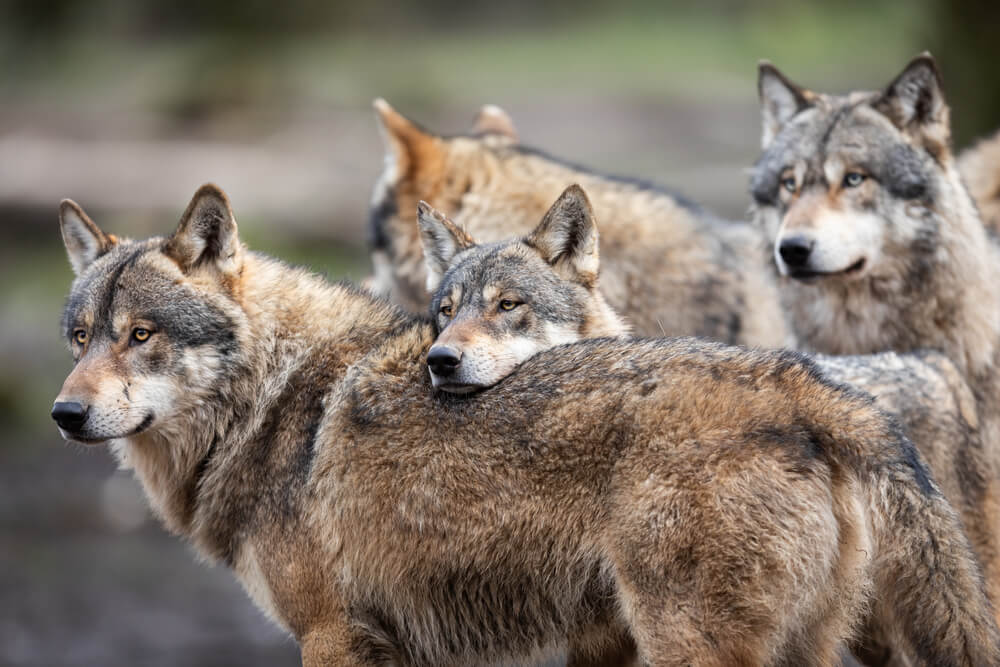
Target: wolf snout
<point>443,360</point>
<point>70,415</point>
<point>795,250</point>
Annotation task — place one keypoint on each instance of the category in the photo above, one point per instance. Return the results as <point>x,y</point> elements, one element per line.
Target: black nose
<point>795,250</point>
<point>443,360</point>
<point>70,416</point>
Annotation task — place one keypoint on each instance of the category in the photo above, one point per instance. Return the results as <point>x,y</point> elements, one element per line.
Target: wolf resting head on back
<point>668,265</point>
<point>867,213</point>
<point>508,306</point>
<point>620,494</point>
<point>497,304</point>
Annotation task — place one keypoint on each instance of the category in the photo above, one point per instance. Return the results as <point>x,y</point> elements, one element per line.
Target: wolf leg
<point>337,645</point>
<point>619,652</point>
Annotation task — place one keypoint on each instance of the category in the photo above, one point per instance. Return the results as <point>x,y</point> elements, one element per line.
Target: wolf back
<point>379,521</point>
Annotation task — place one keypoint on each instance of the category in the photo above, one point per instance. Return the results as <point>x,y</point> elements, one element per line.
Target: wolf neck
<point>296,325</point>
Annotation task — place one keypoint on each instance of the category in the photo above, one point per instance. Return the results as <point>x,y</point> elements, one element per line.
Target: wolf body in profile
<point>713,505</point>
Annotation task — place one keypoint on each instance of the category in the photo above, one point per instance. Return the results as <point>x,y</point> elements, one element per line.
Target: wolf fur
<point>899,260</point>
<point>924,391</point>
<point>505,301</point>
<point>669,266</point>
<point>980,169</point>
<point>717,506</point>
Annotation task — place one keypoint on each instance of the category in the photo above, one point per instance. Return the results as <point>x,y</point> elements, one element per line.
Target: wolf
<point>879,246</point>
<point>980,169</point>
<point>495,305</point>
<point>669,266</point>
<point>713,505</point>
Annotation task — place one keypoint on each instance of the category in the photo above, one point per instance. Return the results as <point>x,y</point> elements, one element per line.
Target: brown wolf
<point>495,305</point>
<point>880,247</point>
<point>669,266</point>
<point>505,301</point>
<point>980,169</point>
<point>714,505</point>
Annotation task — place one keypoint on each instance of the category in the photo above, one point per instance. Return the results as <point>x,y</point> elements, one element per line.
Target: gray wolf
<point>980,169</point>
<point>714,505</point>
<point>668,266</point>
<point>503,302</point>
<point>480,343</point>
<point>880,247</point>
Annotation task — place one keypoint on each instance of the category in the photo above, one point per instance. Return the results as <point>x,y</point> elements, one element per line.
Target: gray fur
<point>604,493</point>
<point>924,286</point>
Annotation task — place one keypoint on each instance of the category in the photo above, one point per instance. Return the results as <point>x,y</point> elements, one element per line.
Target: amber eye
<point>446,311</point>
<point>788,183</point>
<point>80,336</point>
<point>853,179</point>
<point>140,335</point>
<point>507,304</point>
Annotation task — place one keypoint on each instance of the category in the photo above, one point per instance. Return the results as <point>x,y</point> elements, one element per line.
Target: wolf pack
<point>578,417</point>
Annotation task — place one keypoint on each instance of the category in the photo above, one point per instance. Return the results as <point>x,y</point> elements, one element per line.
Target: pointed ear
<point>406,143</point>
<point>780,100</point>
<point>915,103</point>
<point>567,237</point>
<point>206,235</point>
<point>491,119</point>
<point>84,240</point>
<point>442,240</point>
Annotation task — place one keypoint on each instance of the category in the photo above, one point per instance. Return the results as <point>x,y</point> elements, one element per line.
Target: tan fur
<point>925,393</point>
<point>980,169</point>
<point>671,269</point>
<point>718,506</point>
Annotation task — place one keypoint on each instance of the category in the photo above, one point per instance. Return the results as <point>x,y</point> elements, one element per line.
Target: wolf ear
<point>406,144</point>
<point>780,100</point>
<point>207,233</point>
<point>915,103</point>
<point>442,239</point>
<point>491,119</point>
<point>567,237</point>
<point>84,240</point>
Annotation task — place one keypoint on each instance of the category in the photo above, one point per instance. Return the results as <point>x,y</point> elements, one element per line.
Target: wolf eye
<point>80,336</point>
<point>507,304</point>
<point>140,335</point>
<point>788,183</point>
<point>853,179</point>
<point>446,311</point>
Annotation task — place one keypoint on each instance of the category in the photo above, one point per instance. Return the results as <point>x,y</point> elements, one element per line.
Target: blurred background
<point>127,106</point>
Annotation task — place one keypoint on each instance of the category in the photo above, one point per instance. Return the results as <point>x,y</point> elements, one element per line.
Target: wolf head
<point>845,179</point>
<point>861,199</point>
<point>151,324</point>
<point>424,166</point>
<point>495,305</point>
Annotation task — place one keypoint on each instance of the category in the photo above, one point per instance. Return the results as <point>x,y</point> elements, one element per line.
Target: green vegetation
<point>660,52</point>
